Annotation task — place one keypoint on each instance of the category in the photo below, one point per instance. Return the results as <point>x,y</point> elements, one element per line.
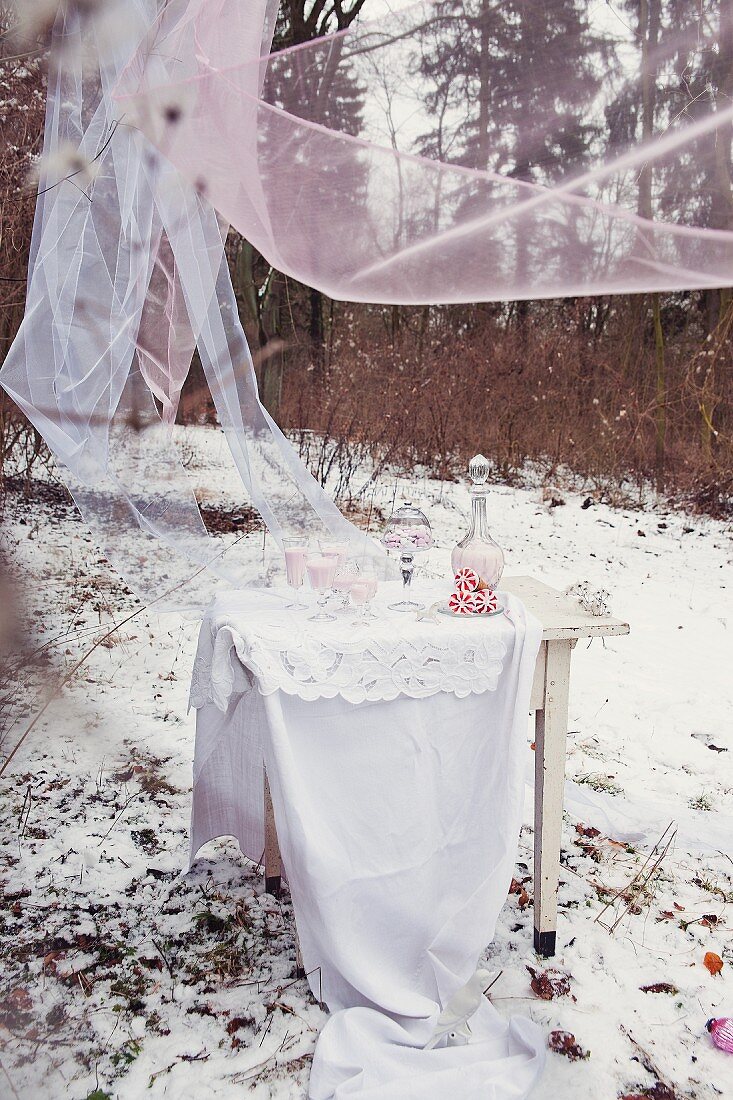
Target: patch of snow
<point>125,975</point>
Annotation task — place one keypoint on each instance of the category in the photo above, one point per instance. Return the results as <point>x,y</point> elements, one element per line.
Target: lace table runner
<point>251,639</point>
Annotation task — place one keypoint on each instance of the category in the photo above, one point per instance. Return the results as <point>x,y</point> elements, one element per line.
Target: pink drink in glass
<point>338,550</point>
<point>369,586</point>
<point>359,593</point>
<point>321,572</point>
<point>363,591</point>
<point>295,552</point>
<point>295,565</point>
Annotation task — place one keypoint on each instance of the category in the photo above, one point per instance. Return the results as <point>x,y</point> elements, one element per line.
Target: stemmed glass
<point>333,548</point>
<point>336,549</point>
<point>295,550</point>
<point>408,530</point>
<point>364,589</point>
<point>321,571</point>
<point>347,574</point>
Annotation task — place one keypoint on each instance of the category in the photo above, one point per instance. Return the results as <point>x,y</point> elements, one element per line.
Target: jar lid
<point>408,511</point>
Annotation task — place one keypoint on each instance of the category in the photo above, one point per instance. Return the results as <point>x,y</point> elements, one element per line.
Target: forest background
<point>614,393</point>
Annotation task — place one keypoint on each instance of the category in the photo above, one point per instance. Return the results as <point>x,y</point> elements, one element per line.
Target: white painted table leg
<point>551,727</point>
<point>273,863</point>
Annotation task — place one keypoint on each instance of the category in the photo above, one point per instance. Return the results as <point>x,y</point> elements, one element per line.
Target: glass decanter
<point>408,530</point>
<point>478,551</point>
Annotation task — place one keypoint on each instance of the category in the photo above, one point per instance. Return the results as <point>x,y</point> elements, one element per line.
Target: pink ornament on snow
<point>721,1032</point>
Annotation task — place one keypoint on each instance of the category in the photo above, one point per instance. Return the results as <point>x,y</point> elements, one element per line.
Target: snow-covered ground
<point>123,977</point>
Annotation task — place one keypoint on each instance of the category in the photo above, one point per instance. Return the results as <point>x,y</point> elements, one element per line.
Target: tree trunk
<point>661,416</point>
<point>649,23</point>
<point>246,286</point>
<point>718,303</point>
<point>396,325</point>
<point>316,332</point>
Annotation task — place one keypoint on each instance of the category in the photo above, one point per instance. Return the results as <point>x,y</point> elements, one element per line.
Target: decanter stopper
<point>478,469</point>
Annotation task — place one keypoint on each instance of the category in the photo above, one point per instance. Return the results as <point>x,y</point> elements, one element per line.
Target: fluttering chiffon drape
<point>127,277</point>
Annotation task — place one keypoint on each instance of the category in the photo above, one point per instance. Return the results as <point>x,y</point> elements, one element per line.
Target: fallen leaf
<point>16,895</point>
<point>660,1091</point>
<point>152,964</point>
<point>20,999</point>
<point>587,830</point>
<point>713,962</point>
<point>548,984</point>
<point>56,1016</point>
<point>679,908</point>
<point>237,1023</point>
<point>15,1010</point>
<point>49,961</point>
<point>564,1042</point>
<point>666,914</point>
<point>659,987</point>
<point>522,895</point>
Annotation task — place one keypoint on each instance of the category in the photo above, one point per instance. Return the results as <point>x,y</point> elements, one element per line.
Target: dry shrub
<point>546,389</point>
<point>22,107</point>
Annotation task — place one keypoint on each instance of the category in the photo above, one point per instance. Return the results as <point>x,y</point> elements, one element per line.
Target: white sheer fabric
<point>457,150</point>
<point>127,276</point>
<point>454,151</point>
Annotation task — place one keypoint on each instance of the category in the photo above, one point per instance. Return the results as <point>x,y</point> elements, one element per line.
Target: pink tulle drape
<point>454,151</point>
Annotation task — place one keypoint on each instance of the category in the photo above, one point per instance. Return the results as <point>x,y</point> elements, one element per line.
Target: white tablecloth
<point>398,819</point>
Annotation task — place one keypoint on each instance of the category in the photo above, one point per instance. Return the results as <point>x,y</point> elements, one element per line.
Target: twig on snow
<point>634,889</point>
<point>9,1080</point>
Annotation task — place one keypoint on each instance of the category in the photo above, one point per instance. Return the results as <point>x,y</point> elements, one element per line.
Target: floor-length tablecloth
<point>398,821</point>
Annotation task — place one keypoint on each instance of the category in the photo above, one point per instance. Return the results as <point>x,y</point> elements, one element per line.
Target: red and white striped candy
<point>483,602</point>
<point>467,580</point>
<point>459,602</point>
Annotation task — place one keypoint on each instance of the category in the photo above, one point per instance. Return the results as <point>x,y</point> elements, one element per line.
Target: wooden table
<point>563,623</point>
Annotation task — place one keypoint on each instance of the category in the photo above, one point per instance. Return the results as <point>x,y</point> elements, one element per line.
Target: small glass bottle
<point>478,551</point>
